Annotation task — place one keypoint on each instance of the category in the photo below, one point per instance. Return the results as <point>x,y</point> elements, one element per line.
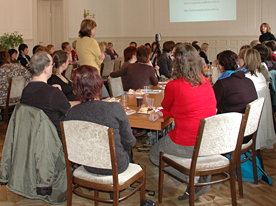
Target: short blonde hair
<point>204,46</point>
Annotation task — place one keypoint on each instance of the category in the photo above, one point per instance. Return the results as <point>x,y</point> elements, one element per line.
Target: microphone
<point>158,37</point>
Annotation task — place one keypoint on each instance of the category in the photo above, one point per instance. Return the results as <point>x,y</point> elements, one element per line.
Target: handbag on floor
<point>147,203</point>
<point>247,170</point>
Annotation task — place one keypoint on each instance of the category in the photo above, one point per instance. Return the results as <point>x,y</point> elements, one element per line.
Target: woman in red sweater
<point>188,98</point>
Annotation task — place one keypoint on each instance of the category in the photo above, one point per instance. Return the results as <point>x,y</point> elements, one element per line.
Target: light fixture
<point>87,14</point>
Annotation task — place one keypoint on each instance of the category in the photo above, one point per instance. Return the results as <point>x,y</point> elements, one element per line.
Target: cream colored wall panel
<point>108,16</point>
<point>4,13</point>
<point>22,20</point>
<point>222,42</point>
<point>245,42</point>
<point>234,42</point>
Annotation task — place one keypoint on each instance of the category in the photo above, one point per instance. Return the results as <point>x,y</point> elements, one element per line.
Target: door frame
<point>65,21</point>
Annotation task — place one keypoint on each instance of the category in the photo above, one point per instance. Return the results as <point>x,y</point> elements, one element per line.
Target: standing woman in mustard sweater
<point>88,49</point>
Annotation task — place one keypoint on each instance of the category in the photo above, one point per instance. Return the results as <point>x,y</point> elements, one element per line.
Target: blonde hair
<point>252,61</point>
<point>74,44</point>
<point>204,46</point>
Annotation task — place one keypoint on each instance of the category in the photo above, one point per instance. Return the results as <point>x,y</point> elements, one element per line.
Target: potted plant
<point>9,41</point>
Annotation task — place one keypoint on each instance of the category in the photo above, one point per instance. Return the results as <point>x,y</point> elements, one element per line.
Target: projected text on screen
<point>202,10</point>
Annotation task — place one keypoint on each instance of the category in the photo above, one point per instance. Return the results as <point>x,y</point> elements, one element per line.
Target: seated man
<point>43,96</point>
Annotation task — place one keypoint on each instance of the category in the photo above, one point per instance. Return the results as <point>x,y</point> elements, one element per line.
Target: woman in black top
<point>23,57</point>
<point>60,58</point>
<point>266,35</point>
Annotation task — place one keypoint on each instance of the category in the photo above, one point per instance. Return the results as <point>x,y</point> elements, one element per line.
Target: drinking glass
<point>146,89</point>
<point>124,96</point>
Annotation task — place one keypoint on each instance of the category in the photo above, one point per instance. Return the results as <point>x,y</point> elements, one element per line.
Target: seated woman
<point>61,61</point>
<point>165,61</point>
<point>129,58</point>
<point>188,98</point>
<point>13,55</point>
<point>23,57</point>
<point>87,85</point>
<point>107,57</point>
<point>204,48</point>
<point>252,63</point>
<point>8,71</point>
<point>139,74</point>
<point>233,90</point>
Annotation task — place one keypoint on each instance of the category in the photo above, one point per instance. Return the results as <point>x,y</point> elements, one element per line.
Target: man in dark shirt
<point>43,96</point>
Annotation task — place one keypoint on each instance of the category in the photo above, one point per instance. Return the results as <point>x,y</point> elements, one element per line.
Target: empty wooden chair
<point>106,69</point>
<point>117,64</point>
<point>115,86</point>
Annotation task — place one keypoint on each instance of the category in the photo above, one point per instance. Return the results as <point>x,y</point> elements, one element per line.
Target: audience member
<point>188,98</point>
<point>264,52</point>
<point>247,46</point>
<point>252,63</point>
<point>73,52</point>
<point>51,48</point>
<point>87,85</point>
<point>61,62</point>
<point>265,31</point>
<point>272,46</point>
<point>111,49</point>
<point>13,55</point>
<point>43,96</point>
<point>129,58</point>
<point>165,61</point>
<point>23,57</point>
<point>88,49</point>
<point>107,57</point>
<point>34,48</point>
<point>65,46</point>
<point>133,43</point>
<point>138,74</point>
<point>148,45</point>
<point>233,90</point>
<point>204,48</point>
<point>41,48</point>
<point>8,71</point>
<point>195,43</point>
<point>254,43</point>
<point>107,51</point>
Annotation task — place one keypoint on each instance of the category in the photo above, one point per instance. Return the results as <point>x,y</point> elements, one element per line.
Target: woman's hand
<point>58,86</point>
<point>102,56</point>
<point>155,116</point>
<point>156,68</point>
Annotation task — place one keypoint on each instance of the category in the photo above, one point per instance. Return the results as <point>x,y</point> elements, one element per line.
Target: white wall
<point>122,21</point>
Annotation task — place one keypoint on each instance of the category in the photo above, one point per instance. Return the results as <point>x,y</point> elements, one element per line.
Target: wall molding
<point>216,43</point>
